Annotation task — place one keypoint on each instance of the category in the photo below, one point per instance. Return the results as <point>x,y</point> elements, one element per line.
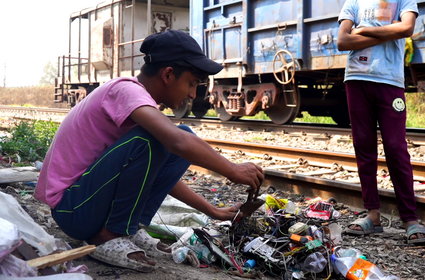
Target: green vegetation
<point>312,119</point>
<point>28,140</point>
<point>259,116</point>
<point>415,103</point>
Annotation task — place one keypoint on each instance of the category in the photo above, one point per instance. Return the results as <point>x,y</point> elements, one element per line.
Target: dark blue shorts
<point>123,188</point>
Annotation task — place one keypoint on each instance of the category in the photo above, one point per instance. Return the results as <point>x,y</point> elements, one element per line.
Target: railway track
<point>287,175</point>
<point>315,180</point>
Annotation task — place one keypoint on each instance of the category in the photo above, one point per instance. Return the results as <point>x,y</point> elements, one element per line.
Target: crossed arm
<point>364,37</point>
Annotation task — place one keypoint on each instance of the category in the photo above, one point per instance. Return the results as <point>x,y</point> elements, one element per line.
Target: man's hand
<point>227,213</point>
<point>356,31</point>
<point>249,174</point>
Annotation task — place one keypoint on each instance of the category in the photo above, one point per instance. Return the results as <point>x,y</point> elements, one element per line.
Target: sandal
<point>153,246</point>
<point>367,227</point>
<point>415,229</point>
<point>116,251</point>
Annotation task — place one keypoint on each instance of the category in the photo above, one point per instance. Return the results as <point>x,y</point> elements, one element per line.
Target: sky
<point>32,34</point>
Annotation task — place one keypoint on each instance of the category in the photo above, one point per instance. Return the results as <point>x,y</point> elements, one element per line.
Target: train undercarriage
<point>283,95</point>
<point>282,104</point>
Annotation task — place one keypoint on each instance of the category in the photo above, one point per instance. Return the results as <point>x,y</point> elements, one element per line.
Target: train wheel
<point>183,110</point>
<point>199,112</point>
<point>223,115</point>
<point>200,107</point>
<point>281,114</point>
<point>286,108</point>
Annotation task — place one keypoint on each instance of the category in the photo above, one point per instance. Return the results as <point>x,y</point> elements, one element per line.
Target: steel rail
<point>314,157</point>
<point>414,135</point>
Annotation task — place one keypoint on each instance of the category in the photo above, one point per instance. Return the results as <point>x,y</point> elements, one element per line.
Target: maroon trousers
<point>370,103</point>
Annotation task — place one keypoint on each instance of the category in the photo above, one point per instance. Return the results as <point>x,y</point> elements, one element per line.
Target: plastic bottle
<point>203,253</point>
<point>179,254</point>
<point>354,266</point>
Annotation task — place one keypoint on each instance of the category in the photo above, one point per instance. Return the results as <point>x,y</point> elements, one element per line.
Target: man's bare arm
<point>347,40</point>
<point>185,194</point>
<point>194,149</point>
<point>394,31</point>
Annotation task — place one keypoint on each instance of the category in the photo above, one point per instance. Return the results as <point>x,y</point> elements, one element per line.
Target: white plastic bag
<point>30,231</point>
<point>9,238</point>
<point>175,218</point>
<point>12,266</point>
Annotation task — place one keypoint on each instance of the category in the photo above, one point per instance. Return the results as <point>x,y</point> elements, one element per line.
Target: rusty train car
<point>279,56</point>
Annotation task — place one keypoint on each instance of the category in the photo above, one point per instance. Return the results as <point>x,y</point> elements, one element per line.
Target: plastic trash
<point>335,231</point>
<point>12,266</point>
<point>179,254</point>
<point>175,218</point>
<point>352,265</point>
<point>250,263</point>
<point>203,253</point>
<point>9,238</point>
<point>298,228</point>
<point>274,204</point>
<point>322,210</point>
<point>191,242</point>
<point>62,276</point>
<point>30,231</point>
<point>38,165</point>
<point>315,262</point>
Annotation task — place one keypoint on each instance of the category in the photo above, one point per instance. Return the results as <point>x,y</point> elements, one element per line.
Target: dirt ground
<point>387,251</point>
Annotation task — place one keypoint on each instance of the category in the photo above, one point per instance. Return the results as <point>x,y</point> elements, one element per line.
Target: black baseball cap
<point>175,46</point>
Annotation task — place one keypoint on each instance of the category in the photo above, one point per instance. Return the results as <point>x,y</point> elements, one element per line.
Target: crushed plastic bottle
<point>353,266</point>
<point>315,262</point>
<point>179,254</point>
<point>203,253</point>
<point>193,243</point>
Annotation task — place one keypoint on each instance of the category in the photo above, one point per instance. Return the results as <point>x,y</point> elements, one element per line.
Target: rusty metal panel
<point>328,62</point>
<point>233,40</point>
<point>215,45</point>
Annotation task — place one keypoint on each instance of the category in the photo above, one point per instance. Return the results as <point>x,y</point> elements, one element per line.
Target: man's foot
<point>153,246</point>
<point>415,232</point>
<point>374,215</point>
<point>122,252</point>
<point>105,235</point>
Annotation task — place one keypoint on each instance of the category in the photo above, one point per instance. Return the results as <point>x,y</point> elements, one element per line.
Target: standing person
<point>115,156</point>
<point>374,31</point>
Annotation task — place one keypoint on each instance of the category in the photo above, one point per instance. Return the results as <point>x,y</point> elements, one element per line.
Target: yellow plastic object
<point>273,203</point>
<point>408,51</point>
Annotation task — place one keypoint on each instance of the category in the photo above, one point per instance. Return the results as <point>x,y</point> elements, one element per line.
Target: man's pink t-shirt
<point>88,129</point>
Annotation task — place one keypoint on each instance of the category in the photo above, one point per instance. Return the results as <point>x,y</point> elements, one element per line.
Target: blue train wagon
<point>280,57</point>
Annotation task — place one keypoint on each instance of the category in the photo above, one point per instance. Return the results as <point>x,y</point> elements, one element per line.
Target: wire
<point>235,217</point>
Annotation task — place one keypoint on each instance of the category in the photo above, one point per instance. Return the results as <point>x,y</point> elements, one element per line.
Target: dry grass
<point>38,96</point>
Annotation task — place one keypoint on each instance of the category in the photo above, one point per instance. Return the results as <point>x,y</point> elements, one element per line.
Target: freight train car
<point>279,56</point>
<point>104,42</point>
